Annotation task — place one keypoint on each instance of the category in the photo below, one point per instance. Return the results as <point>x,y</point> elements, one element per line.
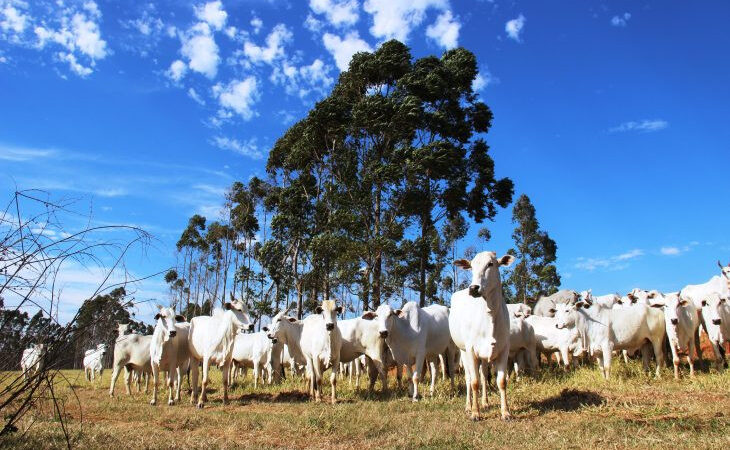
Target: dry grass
<point>553,410</point>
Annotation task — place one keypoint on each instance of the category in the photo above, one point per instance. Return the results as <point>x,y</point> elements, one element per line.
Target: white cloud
<point>445,31</point>
<point>274,48</point>
<point>17,154</point>
<point>256,25</point>
<point>13,19</point>
<point>340,13</point>
<point>621,20</point>
<point>213,14</point>
<point>483,79</point>
<point>192,93</point>
<point>618,262</point>
<point>670,251</point>
<point>177,70</point>
<point>312,24</point>
<point>88,37</point>
<point>514,28</point>
<point>641,126</point>
<point>147,24</point>
<point>246,148</point>
<point>343,49</point>
<point>238,96</point>
<point>394,19</point>
<point>302,80</point>
<point>74,65</point>
<point>200,49</point>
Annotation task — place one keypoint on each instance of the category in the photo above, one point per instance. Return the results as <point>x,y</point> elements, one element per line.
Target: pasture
<point>551,410</point>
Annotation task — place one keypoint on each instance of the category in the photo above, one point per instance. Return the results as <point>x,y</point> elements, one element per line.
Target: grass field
<point>577,409</point>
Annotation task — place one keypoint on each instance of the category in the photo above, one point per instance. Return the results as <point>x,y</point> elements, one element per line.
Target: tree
<point>535,274</point>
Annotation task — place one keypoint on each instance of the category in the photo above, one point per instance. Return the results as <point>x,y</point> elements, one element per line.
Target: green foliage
<point>534,274</point>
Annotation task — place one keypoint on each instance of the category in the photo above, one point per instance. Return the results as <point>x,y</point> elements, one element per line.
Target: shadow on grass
<point>568,400</point>
<point>283,397</point>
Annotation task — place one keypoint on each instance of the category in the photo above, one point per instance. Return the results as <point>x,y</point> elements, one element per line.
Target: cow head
<point>101,348</point>
<point>274,330</point>
<point>484,273</point>
<point>166,319</point>
<point>585,295</point>
<point>714,309</point>
<point>329,310</point>
<point>523,311</point>
<point>565,314</point>
<point>385,315</point>
<point>725,270</point>
<point>241,317</point>
<point>673,305</point>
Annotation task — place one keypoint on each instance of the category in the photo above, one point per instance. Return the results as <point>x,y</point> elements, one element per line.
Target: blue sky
<point>611,116</point>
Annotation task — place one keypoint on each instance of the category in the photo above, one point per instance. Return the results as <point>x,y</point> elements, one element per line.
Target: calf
<point>545,306</point>
<point>415,335</point>
<point>479,326</point>
<point>361,336</point>
<point>169,351</point>
<point>210,341</point>
<point>131,352</point>
<point>93,362</point>
<point>682,323</point>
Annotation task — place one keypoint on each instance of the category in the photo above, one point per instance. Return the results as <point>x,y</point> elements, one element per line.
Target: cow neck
<point>498,303</point>
<point>225,331</point>
<point>403,328</point>
<point>158,341</point>
<point>292,338</point>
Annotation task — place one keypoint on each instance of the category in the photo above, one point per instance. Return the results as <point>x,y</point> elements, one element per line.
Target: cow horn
<point>719,264</point>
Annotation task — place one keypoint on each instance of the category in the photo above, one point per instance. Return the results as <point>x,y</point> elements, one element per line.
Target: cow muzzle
<point>474,290</point>
<point>716,321</point>
<point>674,321</point>
<point>173,333</point>
<point>384,334</point>
<point>250,327</point>
<point>273,340</point>
<point>330,326</point>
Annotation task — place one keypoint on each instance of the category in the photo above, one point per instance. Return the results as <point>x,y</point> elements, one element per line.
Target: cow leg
<point>645,356</point>
<point>155,376</point>
<point>625,354</point>
<point>658,356</point>
<point>502,385</point>
<point>471,364</point>
<point>433,377</point>
<point>194,375</point>
<point>178,372</point>
<point>607,363</point>
<point>333,382</point>
<point>675,360</point>
<point>204,382</point>
<point>719,357</point>
<point>256,369</point>
<point>485,375</point>
<point>128,380</point>
<point>226,371</point>
<point>690,358</point>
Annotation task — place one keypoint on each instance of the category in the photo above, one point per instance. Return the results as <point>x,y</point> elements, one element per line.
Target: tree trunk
<point>378,265</point>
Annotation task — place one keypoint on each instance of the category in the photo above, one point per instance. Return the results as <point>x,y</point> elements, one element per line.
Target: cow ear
<point>233,299</point>
<point>553,310</point>
<point>704,302</point>
<point>682,302</point>
<point>265,329</point>
<point>291,319</point>
<point>180,318</point>
<point>651,295</point>
<point>398,312</point>
<point>369,315</point>
<point>339,310</point>
<point>157,316</point>
<point>463,263</point>
<point>228,305</point>
<point>506,260</point>
<point>318,310</point>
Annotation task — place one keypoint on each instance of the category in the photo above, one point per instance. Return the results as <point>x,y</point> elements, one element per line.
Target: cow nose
<point>173,334</point>
<point>274,340</point>
<point>716,321</point>
<point>675,321</point>
<point>384,334</point>
<point>250,327</point>
<point>474,290</point>
<point>330,326</point>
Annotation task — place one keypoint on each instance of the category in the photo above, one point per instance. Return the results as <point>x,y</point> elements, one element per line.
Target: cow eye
<point>490,264</point>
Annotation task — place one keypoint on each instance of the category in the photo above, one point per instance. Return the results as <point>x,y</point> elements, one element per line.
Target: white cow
<point>682,323</point>
<point>32,360</point>
<point>606,301</point>
<point>254,351</point>
<point>545,306</point>
<point>320,343</point>
<point>696,293</point>
<point>361,336</point>
<point>169,351</point>
<point>603,330</point>
<point>479,326</point>
<point>93,362</point>
<point>716,316</point>
<point>519,310</point>
<point>211,340</point>
<point>553,340</point>
<point>522,345</point>
<point>131,352</point>
<point>415,335</point>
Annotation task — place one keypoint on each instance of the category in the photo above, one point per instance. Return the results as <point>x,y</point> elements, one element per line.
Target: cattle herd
<point>478,332</point>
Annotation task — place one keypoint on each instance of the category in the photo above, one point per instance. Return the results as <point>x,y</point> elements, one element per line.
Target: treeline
<point>365,199</point>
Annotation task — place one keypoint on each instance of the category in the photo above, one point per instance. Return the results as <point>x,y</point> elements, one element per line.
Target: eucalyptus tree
<point>191,241</point>
<point>535,274</point>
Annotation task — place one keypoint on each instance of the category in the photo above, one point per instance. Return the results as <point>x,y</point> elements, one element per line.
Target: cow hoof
<point>475,418</point>
<point>507,417</point>
<point>153,403</point>
<point>415,400</point>
<point>170,403</point>
<point>200,406</point>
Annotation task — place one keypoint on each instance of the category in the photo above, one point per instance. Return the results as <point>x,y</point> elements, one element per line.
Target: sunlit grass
<point>553,409</point>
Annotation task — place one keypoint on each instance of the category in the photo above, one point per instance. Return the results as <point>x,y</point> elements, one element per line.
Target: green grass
<point>577,409</point>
